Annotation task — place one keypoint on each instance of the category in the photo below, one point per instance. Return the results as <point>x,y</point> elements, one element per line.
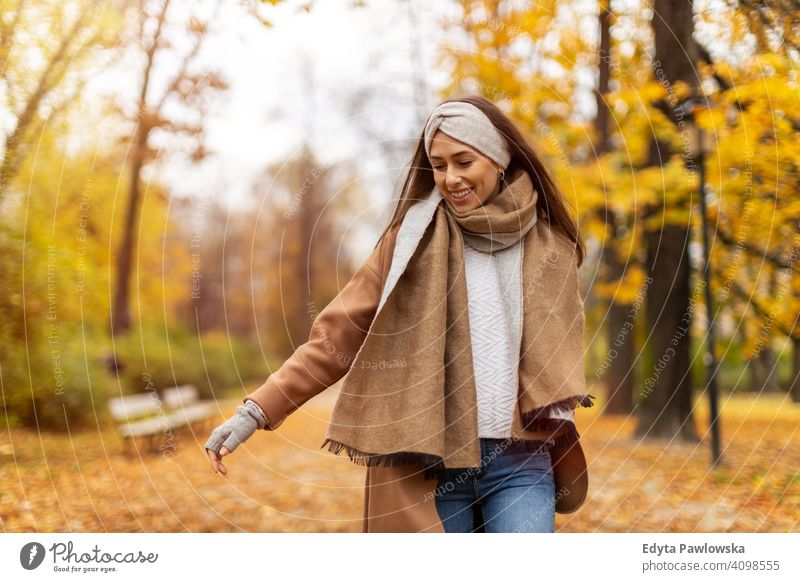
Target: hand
<point>216,460</point>
<point>226,437</point>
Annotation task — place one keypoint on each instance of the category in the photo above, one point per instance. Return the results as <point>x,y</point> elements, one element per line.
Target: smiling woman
<point>491,344</point>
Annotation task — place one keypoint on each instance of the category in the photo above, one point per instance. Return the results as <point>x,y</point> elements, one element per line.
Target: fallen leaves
<point>282,481</point>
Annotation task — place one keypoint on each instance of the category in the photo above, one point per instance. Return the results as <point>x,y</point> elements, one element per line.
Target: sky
<point>293,83</point>
<point>357,84</point>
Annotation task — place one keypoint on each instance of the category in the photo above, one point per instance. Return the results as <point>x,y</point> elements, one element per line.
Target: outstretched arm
<point>336,336</point>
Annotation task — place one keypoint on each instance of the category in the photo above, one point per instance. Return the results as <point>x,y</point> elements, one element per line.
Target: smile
<point>461,194</point>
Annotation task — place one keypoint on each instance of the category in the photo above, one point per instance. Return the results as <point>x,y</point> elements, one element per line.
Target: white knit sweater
<point>492,354</point>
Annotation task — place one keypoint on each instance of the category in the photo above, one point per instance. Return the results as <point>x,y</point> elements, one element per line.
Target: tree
<point>187,86</point>
<point>306,215</point>
<point>60,37</point>
<point>666,406</point>
<point>619,377</point>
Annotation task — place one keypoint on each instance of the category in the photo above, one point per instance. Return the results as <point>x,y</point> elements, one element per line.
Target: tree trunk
<point>794,386</point>
<point>121,315</point>
<point>768,378</point>
<point>619,374</point>
<point>665,410</point>
<point>604,76</point>
<point>621,351</point>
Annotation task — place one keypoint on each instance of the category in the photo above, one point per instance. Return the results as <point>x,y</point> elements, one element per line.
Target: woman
<point>460,340</point>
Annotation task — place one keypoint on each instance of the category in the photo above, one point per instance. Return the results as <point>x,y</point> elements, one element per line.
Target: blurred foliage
<point>265,271</point>
<point>214,362</point>
<point>527,58</point>
<point>65,182</point>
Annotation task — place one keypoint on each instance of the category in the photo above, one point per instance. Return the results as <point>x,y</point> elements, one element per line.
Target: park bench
<point>158,419</point>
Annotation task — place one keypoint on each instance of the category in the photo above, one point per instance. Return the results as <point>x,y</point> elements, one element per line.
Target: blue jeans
<point>512,491</point>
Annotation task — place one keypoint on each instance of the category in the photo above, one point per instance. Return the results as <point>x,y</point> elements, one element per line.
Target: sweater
<point>492,353</point>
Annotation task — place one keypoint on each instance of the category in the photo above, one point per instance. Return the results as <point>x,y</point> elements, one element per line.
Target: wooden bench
<point>158,419</point>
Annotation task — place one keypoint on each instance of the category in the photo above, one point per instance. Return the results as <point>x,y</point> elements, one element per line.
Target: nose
<point>452,181</point>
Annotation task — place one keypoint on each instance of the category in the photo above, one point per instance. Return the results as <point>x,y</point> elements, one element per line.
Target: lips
<point>461,195</point>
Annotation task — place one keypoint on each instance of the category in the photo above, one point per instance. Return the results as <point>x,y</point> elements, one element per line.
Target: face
<point>465,177</point>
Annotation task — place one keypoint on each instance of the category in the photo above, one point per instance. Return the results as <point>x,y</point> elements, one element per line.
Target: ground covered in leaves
<point>282,481</point>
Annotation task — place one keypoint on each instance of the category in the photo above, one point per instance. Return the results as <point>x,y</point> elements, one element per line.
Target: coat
<point>396,498</point>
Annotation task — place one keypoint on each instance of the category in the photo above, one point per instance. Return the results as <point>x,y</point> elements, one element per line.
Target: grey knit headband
<point>466,123</point>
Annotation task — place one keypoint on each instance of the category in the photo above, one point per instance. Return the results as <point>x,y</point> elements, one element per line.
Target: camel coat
<point>396,498</point>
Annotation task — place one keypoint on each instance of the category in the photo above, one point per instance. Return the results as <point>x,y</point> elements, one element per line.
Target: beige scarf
<point>409,396</point>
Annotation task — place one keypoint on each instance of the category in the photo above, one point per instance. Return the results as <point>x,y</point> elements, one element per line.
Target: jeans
<point>512,491</point>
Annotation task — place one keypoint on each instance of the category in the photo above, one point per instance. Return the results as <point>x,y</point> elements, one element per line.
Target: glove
<point>238,428</point>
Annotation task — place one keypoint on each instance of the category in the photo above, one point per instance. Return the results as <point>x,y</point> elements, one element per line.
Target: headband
<point>468,124</point>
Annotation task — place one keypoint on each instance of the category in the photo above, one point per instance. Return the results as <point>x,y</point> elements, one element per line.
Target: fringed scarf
<point>410,395</point>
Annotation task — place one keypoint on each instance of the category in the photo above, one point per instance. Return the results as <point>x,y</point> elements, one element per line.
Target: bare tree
<point>187,86</point>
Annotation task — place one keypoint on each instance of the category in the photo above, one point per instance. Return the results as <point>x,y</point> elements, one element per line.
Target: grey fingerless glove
<point>248,418</point>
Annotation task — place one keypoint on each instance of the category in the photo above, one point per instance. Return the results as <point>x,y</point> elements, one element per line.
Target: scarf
<point>410,395</point>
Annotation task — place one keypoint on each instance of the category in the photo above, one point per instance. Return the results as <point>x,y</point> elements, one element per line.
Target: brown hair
<point>551,204</point>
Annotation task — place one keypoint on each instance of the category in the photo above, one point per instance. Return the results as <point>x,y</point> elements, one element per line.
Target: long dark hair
<point>551,204</point>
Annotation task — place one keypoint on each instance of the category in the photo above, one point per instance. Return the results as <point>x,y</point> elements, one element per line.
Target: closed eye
<point>463,164</point>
